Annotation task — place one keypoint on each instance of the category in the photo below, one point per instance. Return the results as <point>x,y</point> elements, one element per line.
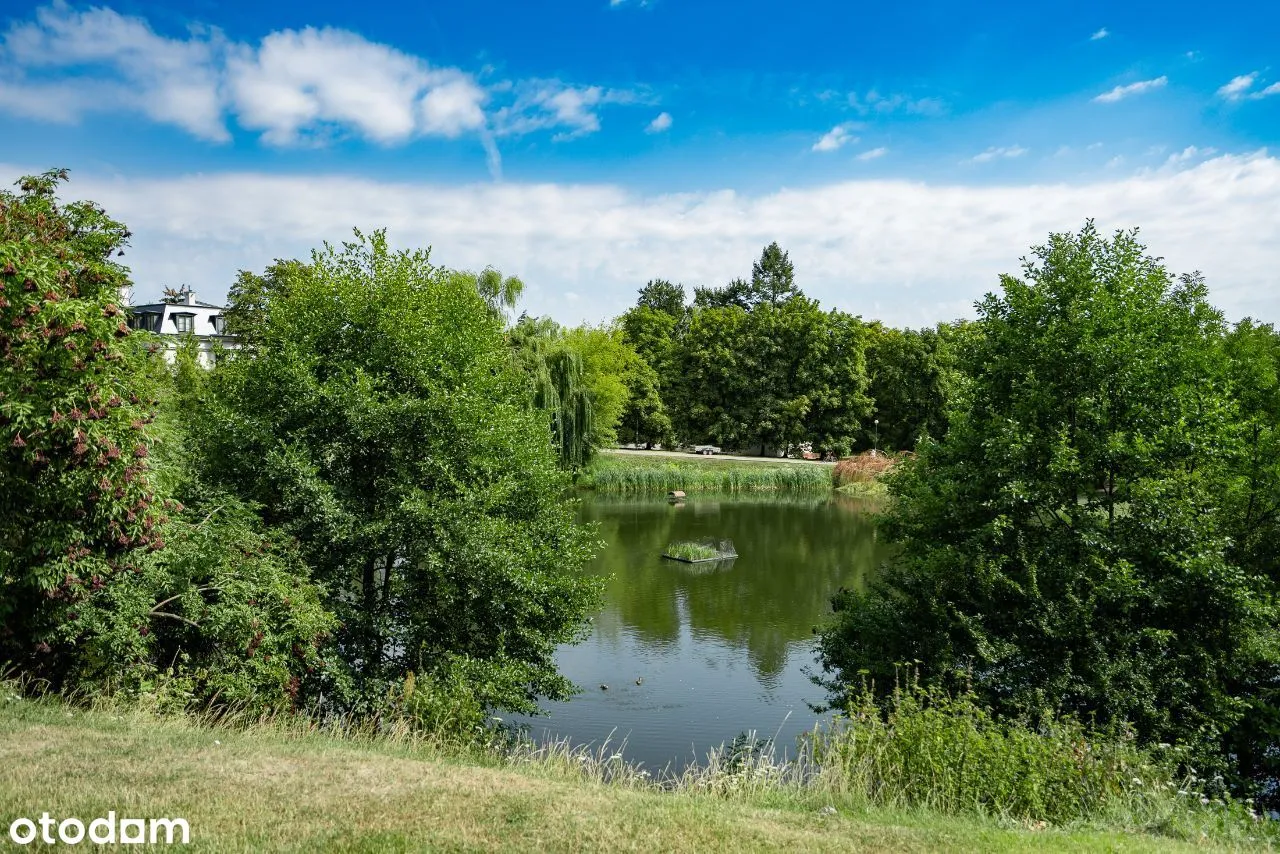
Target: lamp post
<point>875,451</point>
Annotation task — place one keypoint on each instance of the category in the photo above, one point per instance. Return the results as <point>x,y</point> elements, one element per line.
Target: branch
<point>175,617</point>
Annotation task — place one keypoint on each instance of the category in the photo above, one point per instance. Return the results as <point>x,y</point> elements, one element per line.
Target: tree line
<point>754,366</point>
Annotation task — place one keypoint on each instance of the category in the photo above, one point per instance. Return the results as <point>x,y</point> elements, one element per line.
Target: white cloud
<point>1187,154</point>
<point>1119,92</point>
<point>305,82</point>
<point>1100,34</point>
<point>835,138</point>
<point>873,153</point>
<point>994,153</point>
<point>303,86</point>
<point>552,104</point>
<point>660,123</point>
<point>172,81</point>
<point>1238,88</point>
<point>923,251</point>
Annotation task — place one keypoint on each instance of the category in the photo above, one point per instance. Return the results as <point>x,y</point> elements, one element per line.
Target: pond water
<point>720,649</point>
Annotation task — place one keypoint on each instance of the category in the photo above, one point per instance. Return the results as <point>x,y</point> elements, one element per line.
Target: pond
<point>719,649</point>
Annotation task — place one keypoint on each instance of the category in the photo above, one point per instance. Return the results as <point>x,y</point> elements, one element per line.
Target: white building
<point>186,316</point>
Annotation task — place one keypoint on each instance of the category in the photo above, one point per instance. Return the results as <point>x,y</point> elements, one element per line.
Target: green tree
<point>558,386</point>
<point>382,422</point>
<point>251,294</point>
<point>661,295</point>
<point>737,293</point>
<point>908,384</point>
<point>773,279</point>
<point>1066,544</point>
<point>76,404</point>
<point>500,293</point>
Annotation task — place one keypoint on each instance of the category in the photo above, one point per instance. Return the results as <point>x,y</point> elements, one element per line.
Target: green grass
<point>692,551</point>
<point>279,785</point>
<point>626,475</point>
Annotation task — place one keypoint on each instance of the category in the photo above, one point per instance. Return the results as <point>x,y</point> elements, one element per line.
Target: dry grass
<point>268,788</point>
<point>865,467</point>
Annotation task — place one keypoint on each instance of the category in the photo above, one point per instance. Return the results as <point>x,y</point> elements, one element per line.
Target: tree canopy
<point>1066,544</point>
<point>382,422</point>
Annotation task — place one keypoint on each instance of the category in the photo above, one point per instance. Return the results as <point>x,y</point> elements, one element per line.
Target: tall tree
<point>76,404</point>
<point>661,295</point>
<point>1066,544</point>
<point>773,278</point>
<point>382,423</point>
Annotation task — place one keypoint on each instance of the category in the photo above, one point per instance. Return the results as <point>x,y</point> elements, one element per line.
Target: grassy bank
<point>270,787</point>
<point>632,475</point>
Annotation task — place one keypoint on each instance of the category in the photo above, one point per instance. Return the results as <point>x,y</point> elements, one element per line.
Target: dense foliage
<point>1073,542</point>
<point>381,422</point>
<point>76,403</point>
<point>107,579</point>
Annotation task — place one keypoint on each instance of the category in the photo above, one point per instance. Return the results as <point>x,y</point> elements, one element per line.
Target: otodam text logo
<point>107,830</point>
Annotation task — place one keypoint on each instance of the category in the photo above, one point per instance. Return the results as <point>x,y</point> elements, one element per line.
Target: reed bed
<point>640,477</point>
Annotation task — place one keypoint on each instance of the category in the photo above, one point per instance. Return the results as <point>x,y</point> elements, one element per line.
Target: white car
<point>706,450</point>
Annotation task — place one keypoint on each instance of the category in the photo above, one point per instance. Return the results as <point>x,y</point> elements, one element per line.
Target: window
<point>148,321</point>
<point>184,322</point>
<point>219,324</point>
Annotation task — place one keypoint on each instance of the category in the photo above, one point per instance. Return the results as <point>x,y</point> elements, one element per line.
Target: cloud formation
<point>553,104</point>
<point>303,82</point>
<point>1121,92</point>
<point>1100,34</point>
<point>994,153</point>
<point>908,252</point>
<point>294,87</point>
<point>836,138</point>
<point>171,81</point>
<point>660,123</point>
<point>873,154</point>
<point>1238,88</point>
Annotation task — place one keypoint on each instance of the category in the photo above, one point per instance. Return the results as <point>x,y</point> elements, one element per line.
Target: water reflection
<point>720,652</point>
<point>792,554</point>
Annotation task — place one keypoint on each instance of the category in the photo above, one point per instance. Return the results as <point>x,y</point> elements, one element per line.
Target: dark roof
<point>161,305</point>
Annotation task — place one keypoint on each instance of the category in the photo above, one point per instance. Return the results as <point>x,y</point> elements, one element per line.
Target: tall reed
<point>636,477</point>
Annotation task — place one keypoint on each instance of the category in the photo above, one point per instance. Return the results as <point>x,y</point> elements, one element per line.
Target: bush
<point>223,615</point>
<point>76,403</point>
<point>924,747</point>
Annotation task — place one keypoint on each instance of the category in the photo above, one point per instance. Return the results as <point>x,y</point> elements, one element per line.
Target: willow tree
<point>558,387</point>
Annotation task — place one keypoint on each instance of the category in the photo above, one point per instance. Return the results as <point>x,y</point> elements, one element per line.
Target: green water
<point>719,648</point>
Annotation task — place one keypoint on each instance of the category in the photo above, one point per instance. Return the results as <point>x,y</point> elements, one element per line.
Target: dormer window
<point>219,324</point>
<point>184,322</point>
<point>148,321</point>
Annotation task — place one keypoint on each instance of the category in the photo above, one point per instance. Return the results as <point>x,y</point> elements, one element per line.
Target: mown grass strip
<point>271,788</point>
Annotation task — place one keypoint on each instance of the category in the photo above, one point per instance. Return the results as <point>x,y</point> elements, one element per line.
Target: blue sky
<point>904,153</point>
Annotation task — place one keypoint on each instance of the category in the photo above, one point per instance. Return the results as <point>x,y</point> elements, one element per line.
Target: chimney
<point>191,297</point>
